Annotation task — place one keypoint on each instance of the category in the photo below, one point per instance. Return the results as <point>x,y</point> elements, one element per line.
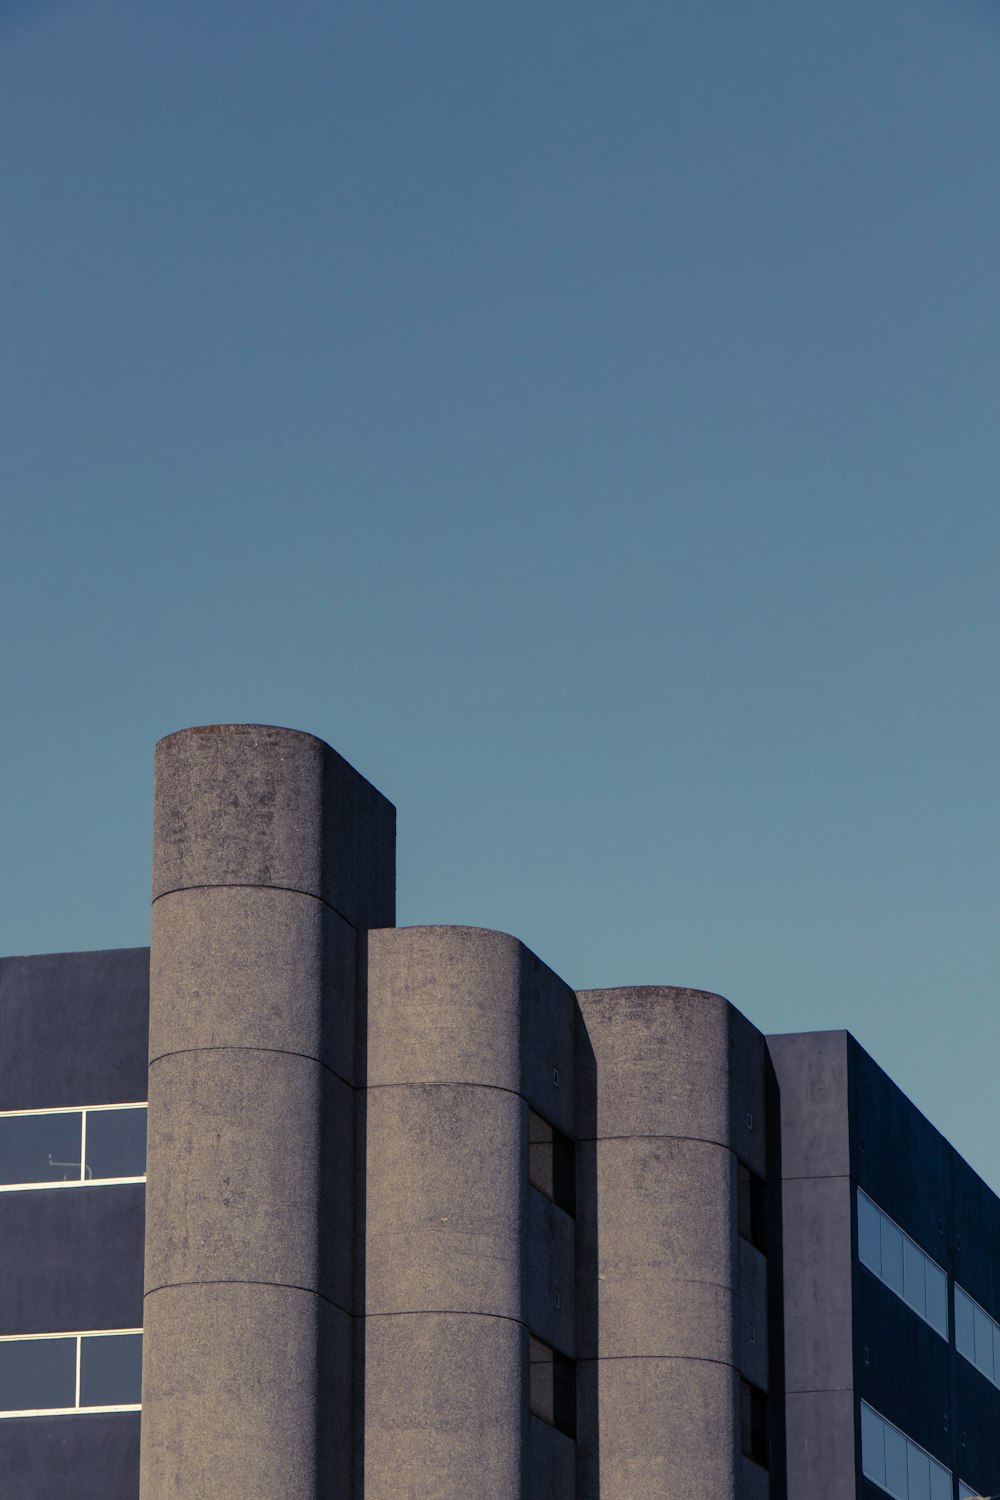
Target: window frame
<point>751,1206</point>
<point>78,1335</point>
<point>563,1412</point>
<point>887,1229</point>
<point>755,1424</point>
<point>970,1358</point>
<point>83,1110</point>
<point>908,1443</point>
<point>563,1163</point>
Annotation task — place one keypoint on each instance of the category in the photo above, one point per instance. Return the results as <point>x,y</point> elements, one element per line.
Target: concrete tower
<point>270,855</point>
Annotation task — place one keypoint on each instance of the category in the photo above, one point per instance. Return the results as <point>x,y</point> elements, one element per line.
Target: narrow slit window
<point>551,1162</point>
<point>552,1386</point>
<point>753,1424</point>
<point>751,1217</point>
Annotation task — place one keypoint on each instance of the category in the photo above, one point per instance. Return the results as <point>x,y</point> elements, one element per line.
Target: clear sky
<point>585,416</point>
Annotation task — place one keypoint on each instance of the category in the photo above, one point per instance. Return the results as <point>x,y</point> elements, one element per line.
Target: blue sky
<point>585,417</point>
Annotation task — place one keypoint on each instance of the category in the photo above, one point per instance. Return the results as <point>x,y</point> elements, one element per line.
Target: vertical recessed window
<point>552,1386</point>
<point>751,1206</point>
<point>551,1162</point>
<point>753,1423</point>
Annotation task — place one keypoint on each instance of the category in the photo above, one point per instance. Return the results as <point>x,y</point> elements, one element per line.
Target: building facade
<point>416,1219</point>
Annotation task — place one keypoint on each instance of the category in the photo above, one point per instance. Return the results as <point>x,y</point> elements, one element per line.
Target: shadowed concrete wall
<point>269,853</point>
<point>466,1028</point>
<point>817,1205</point>
<point>669,1291</point>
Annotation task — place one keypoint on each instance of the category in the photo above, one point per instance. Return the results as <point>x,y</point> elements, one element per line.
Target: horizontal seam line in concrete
<point>281,1286</point>
<point>818,1177</point>
<point>242,885</point>
<point>445,1312</point>
<point>447,1083</point>
<point>722,1286</point>
<point>686,1359</point>
<point>698,1140</point>
<point>280,1051</point>
<point>820,1390</point>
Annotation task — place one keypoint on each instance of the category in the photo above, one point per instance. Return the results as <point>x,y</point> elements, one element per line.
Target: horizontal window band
<point>70,1333</point>
<point>75,1182</point>
<point>71,1109</point>
<point>68,1411</point>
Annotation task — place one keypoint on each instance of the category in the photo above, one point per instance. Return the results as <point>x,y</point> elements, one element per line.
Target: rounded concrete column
<point>465,1030</point>
<point>660,1269</point>
<point>269,853</point>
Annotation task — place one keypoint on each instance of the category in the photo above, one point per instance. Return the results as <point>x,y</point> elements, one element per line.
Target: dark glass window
<point>753,1423</point>
<point>116,1142</point>
<point>111,1370</point>
<point>37,1374</point>
<point>551,1162</point>
<point>553,1386</point>
<point>40,1148</point>
<point>751,1206</point>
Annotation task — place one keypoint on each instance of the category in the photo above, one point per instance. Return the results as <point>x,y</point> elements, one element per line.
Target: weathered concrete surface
<point>250,1172</point>
<point>445,1407</point>
<point>445,1199</point>
<point>269,851</point>
<point>255,805</point>
<point>469,1005</point>
<point>242,966</point>
<point>678,1084</point>
<point>249,1388</point>
<point>466,1031</point>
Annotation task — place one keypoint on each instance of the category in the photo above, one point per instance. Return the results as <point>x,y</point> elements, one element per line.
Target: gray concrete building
<point>415,1219</point>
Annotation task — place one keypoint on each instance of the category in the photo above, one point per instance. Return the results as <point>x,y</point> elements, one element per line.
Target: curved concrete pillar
<point>269,853</point>
<point>466,1029</point>
<point>660,1281</point>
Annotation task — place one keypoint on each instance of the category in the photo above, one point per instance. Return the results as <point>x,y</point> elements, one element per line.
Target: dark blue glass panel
<point>111,1370</point>
<point>36,1374</point>
<point>116,1142</point>
<point>40,1148</point>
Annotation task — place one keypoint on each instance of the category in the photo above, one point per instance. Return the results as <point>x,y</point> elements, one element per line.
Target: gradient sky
<point>585,416</point>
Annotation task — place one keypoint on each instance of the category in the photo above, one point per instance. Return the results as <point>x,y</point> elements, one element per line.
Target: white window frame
<point>83,1110</point>
<point>934,1462</point>
<point>970,1359</point>
<point>79,1336</point>
<point>927,1260</point>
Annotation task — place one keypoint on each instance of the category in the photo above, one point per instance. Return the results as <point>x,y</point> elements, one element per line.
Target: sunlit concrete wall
<point>270,853</point>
